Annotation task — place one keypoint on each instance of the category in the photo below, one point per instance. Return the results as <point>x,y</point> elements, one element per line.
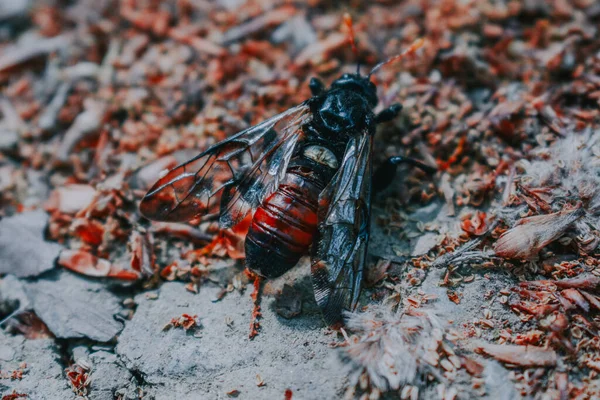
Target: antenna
<point>351,39</point>
<point>417,44</point>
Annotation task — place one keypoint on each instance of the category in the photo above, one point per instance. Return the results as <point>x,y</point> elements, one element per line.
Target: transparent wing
<point>340,251</point>
<point>230,178</point>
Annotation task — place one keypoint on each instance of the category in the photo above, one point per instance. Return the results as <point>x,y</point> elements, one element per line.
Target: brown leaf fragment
<point>473,367</point>
<point>593,300</point>
<point>531,234</point>
<point>79,378</point>
<point>185,321</point>
<point>561,380</point>
<point>183,231</point>
<point>565,303</point>
<point>30,326</point>
<point>142,256</point>
<point>84,263</point>
<point>576,297</point>
<point>526,356</point>
<point>88,264</point>
<point>584,281</point>
<point>453,297</point>
<point>556,322</point>
<point>14,396</point>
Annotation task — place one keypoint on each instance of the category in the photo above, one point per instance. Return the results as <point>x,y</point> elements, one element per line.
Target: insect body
<point>306,175</point>
<point>285,224</point>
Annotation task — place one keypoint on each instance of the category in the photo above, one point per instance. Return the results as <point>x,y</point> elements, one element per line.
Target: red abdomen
<point>283,226</point>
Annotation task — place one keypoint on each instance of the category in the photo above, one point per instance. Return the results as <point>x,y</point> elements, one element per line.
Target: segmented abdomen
<point>283,227</point>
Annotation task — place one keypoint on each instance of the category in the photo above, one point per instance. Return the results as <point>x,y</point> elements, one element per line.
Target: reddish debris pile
<point>16,374</point>
<point>185,321</point>
<point>99,100</point>
<point>14,396</point>
<point>78,376</point>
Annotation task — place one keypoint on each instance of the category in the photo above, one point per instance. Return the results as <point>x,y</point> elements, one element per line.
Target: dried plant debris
<point>526,356</point>
<point>78,376</point>
<point>532,234</point>
<point>389,350</point>
<point>100,97</point>
<point>560,189</point>
<point>15,396</point>
<point>185,322</point>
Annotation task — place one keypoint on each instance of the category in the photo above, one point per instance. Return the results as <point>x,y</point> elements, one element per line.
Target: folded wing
<point>340,251</point>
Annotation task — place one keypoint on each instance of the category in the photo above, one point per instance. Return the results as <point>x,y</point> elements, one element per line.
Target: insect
<point>306,174</point>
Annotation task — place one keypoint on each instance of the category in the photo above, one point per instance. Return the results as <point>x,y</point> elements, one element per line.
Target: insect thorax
<point>341,112</point>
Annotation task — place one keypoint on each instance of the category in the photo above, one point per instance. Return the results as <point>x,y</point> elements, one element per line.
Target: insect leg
<point>316,86</point>
<point>389,113</point>
<point>385,173</point>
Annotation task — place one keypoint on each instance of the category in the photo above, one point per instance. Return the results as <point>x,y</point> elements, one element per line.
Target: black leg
<point>316,86</point>
<point>384,175</point>
<point>389,113</point>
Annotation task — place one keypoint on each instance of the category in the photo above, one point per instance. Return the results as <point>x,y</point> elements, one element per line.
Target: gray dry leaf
<point>532,234</point>
<point>75,307</point>
<point>526,356</point>
<point>23,250</point>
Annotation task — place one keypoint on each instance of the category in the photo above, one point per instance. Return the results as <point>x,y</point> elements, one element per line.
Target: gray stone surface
<point>23,250</point>
<point>43,375</point>
<point>108,375</point>
<point>12,295</point>
<point>75,307</point>
<point>219,357</point>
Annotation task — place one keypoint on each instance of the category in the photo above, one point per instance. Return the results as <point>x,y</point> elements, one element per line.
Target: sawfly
<point>306,175</point>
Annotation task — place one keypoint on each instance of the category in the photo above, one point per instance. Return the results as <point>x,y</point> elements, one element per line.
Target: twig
<point>465,254</point>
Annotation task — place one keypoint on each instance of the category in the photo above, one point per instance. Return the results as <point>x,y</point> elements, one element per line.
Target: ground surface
<point>482,280</point>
